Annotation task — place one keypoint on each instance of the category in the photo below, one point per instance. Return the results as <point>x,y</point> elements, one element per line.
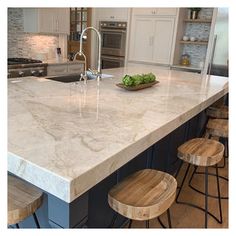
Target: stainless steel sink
<point>74,77</point>
<point>65,78</point>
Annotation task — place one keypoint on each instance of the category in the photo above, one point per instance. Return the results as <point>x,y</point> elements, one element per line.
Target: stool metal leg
<point>161,223</point>
<point>169,219</point>
<point>205,210</point>
<point>36,220</point>
<point>190,180</point>
<point>211,174</point>
<point>147,223</point>
<point>219,196</point>
<point>113,220</point>
<point>178,170</point>
<point>206,195</point>
<point>130,223</point>
<point>181,186</point>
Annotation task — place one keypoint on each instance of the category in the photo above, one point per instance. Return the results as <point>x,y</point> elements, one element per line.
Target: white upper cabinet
<point>112,14</point>
<point>155,11</point>
<point>47,20</point>
<point>151,39</point>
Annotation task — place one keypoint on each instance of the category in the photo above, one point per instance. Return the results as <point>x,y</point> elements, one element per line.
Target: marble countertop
<point>67,137</point>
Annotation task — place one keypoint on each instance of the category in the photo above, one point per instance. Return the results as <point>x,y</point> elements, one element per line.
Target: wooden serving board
<point>137,87</point>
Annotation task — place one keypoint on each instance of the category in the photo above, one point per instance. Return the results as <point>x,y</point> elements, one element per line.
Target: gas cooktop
<point>21,60</point>
<point>19,67</point>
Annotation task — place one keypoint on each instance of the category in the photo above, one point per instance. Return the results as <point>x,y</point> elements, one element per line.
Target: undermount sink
<point>65,78</point>
<point>75,77</point>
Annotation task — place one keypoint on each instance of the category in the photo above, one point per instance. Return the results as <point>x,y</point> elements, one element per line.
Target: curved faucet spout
<point>99,45</point>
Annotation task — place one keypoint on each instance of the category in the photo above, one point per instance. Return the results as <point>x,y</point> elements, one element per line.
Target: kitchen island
<point>76,140</point>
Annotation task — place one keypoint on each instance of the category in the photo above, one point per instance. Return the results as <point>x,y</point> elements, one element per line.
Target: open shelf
<point>197,21</point>
<point>194,42</point>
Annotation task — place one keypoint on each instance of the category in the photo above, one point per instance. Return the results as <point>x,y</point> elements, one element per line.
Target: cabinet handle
<point>150,41</point>
<point>57,25</point>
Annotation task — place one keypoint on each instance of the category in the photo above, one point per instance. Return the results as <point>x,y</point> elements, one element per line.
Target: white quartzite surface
<point>66,137</point>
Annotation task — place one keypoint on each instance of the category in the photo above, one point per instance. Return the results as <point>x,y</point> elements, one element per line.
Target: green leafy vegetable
<point>134,80</point>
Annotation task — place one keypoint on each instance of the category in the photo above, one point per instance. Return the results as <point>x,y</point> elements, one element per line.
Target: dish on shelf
<point>137,87</point>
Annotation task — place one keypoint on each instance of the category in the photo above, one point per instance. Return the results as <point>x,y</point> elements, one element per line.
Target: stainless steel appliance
<point>113,43</point>
<point>112,62</point>
<point>20,67</point>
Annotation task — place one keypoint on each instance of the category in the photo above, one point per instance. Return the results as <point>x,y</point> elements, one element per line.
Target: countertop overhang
<point>67,137</point>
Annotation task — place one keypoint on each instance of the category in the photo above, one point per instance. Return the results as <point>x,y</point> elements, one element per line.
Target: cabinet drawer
<point>57,70</point>
<point>170,11</point>
<point>144,11</point>
<point>77,68</point>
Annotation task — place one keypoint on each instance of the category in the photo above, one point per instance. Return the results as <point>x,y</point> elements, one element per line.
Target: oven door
<point>113,42</point>
<point>112,62</point>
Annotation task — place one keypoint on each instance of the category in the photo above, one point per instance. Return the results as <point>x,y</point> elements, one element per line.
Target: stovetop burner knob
<point>33,72</point>
<point>21,73</point>
<point>41,72</point>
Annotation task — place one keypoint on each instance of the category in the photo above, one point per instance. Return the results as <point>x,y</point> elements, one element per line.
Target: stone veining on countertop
<point>65,138</point>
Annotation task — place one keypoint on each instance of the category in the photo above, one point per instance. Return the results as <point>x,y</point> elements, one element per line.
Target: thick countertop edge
<point>24,170</point>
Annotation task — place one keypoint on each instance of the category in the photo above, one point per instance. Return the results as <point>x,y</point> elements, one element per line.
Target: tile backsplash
<point>21,44</point>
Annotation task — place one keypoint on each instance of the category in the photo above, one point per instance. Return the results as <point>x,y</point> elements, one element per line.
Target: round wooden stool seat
<point>201,151</point>
<point>218,127</point>
<point>23,200</point>
<point>144,195</point>
<point>219,112</point>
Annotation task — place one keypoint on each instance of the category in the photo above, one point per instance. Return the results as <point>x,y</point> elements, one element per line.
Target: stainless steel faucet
<point>82,76</point>
<point>94,72</point>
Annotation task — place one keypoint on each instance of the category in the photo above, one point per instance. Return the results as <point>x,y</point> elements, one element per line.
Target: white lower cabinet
<point>151,39</point>
<point>163,40</point>
<point>141,40</point>
<point>63,69</point>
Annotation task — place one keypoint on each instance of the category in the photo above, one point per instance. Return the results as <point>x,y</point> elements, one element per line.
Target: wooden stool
<point>218,112</point>
<point>23,201</point>
<point>202,152</point>
<point>144,195</point>
<point>217,127</point>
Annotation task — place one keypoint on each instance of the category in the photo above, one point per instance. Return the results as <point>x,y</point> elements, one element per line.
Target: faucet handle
<point>83,77</point>
<point>94,72</point>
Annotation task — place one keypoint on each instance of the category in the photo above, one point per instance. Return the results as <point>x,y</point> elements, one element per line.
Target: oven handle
<point>113,58</point>
<point>113,31</point>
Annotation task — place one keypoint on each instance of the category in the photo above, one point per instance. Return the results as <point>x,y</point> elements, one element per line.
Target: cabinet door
<point>170,11</point>
<point>47,20</point>
<point>76,68</point>
<point>38,20</point>
<point>144,11</point>
<point>63,21</point>
<point>57,69</point>
<point>141,40</point>
<point>163,39</point>
<point>112,14</point>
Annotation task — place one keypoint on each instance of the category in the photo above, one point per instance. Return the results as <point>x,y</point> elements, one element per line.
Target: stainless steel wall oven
<point>113,43</point>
